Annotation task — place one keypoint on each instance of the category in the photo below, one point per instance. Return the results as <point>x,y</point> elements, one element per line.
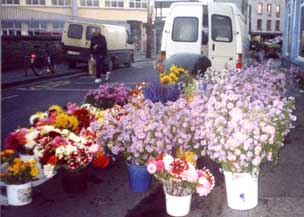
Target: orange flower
<point>101,161</point>
<point>8,152</point>
<point>53,160</point>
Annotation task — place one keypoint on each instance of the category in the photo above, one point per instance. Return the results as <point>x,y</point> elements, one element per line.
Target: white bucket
<point>178,205</point>
<point>18,195</point>
<point>241,190</point>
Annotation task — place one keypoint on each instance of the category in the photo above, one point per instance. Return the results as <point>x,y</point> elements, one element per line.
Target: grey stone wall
<point>15,48</point>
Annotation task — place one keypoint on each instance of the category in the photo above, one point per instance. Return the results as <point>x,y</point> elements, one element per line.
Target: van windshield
<point>185,29</point>
<point>75,31</point>
<point>90,30</point>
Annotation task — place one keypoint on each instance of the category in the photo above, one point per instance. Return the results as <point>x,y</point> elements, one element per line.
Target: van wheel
<point>72,65</point>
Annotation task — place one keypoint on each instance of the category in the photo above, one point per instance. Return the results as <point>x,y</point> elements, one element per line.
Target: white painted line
<point>9,97</point>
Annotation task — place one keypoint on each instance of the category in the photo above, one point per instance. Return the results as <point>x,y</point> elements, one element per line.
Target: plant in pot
<point>246,120</point>
<point>18,177</point>
<point>180,179</point>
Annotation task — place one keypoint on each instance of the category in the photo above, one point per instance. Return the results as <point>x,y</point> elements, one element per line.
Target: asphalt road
<point>19,102</point>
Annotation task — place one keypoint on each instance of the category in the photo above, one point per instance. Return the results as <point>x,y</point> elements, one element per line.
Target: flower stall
<point>238,119</point>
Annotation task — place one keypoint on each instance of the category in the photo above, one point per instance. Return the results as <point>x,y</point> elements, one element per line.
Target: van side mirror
<point>204,38</point>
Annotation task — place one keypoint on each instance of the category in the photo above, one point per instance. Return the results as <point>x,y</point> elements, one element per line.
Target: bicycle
<point>40,61</point>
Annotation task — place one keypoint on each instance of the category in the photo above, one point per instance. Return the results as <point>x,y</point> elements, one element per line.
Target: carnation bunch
<point>108,95</point>
<point>180,177</point>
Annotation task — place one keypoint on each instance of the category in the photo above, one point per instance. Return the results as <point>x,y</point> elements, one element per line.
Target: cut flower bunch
<point>180,177</point>
<point>247,118</point>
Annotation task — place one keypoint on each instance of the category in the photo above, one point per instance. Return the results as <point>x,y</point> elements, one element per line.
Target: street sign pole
<point>149,32</point>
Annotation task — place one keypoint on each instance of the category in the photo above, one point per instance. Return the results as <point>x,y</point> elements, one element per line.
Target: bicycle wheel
<point>39,67</point>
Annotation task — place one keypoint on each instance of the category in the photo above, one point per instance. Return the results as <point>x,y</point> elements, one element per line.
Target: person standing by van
<point>99,51</point>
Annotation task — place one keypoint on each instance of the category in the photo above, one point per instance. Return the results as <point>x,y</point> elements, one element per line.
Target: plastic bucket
<point>241,190</point>
<point>139,178</point>
<point>19,195</point>
<point>178,205</point>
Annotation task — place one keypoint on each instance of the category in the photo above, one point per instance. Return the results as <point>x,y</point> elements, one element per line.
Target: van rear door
<point>222,46</point>
<point>183,29</point>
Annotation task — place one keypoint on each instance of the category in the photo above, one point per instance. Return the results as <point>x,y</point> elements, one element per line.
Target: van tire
<point>72,65</point>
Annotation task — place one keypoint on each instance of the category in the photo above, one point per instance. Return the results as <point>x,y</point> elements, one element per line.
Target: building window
<point>269,9</point>
<point>259,9</point>
<point>278,11</point>
<point>301,32</point>
<point>10,2</point>
<point>35,2</point>
<point>37,27</point>
<point>277,25</point>
<point>89,3</point>
<point>114,3</point>
<point>259,24</point>
<point>268,25</point>
<point>58,27</point>
<point>11,27</point>
<point>61,2</point>
<point>137,3</point>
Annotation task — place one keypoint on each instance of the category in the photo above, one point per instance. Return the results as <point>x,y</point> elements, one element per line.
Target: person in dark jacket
<point>99,51</point>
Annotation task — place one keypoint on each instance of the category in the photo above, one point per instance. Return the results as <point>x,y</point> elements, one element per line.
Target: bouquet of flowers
<point>20,172</point>
<point>152,129</point>
<point>22,140</point>
<point>179,177</point>
<point>62,148</point>
<point>247,118</point>
<point>108,95</point>
<point>161,93</point>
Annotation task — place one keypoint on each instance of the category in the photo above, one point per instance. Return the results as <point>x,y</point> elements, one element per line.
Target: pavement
<point>17,77</point>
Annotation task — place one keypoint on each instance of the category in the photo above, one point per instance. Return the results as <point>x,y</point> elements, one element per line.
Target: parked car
<point>76,40</point>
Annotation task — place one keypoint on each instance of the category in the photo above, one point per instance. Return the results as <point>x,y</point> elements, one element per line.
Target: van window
<point>221,28</point>
<point>75,31</point>
<point>185,29</point>
<point>90,30</point>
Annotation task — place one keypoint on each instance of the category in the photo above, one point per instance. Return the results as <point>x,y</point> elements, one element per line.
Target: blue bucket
<point>139,178</point>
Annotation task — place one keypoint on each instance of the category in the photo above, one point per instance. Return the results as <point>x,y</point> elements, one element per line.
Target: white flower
<point>151,167</point>
<point>168,159</point>
<point>30,139</point>
<point>48,170</point>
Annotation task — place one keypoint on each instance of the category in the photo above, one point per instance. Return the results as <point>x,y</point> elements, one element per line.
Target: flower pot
<point>26,157</point>
<point>139,178</point>
<point>74,181</point>
<point>241,190</point>
<point>178,205</point>
<point>19,195</point>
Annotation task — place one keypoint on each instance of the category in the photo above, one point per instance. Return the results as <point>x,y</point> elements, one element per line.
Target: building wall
<point>293,37</point>
<point>264,16</point>
<point>101,12</point>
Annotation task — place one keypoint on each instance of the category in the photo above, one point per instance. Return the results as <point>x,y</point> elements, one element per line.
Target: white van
<point>216,30</point>
<point>76,41</point>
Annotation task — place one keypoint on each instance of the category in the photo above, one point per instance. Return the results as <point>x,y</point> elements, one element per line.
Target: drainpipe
<point>74,8</point>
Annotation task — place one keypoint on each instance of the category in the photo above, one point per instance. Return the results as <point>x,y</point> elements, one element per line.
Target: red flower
<point>101,160</point>
<point>53,160</point>
<point>177,167</point>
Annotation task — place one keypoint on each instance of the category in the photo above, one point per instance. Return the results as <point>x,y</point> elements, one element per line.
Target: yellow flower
<point>165,80</point>
<point>56,108</point>
<point>34,171</point>
<point>65,121</point>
